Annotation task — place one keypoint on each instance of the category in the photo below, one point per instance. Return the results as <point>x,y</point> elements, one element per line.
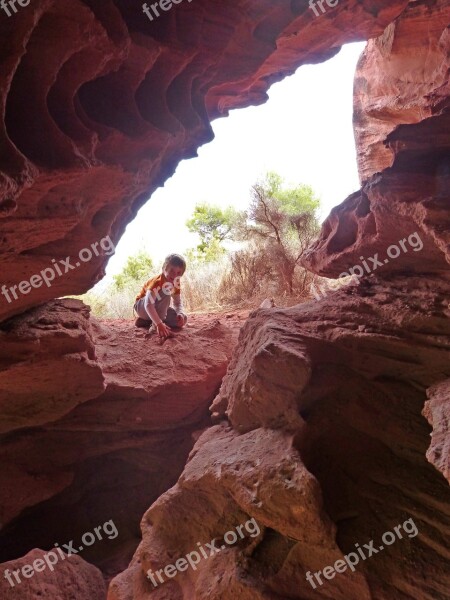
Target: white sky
<point>304,132</point>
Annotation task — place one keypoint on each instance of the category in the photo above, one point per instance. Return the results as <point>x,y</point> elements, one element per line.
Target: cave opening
<point>298,134</point>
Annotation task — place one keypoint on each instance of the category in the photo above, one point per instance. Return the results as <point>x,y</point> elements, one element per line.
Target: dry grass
<point>201,284</point>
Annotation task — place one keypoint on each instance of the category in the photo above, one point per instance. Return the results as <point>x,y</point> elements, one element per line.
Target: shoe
<point>142,323</point>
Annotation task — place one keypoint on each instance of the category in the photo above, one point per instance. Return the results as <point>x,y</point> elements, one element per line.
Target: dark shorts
<point>168,316</point>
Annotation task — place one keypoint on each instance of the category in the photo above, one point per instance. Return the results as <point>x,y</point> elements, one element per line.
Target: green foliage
<point>214,225</point>
<point>285,216</point>
<point>205,253</point>
<point>97,303</point>
<point>279,225</point>
<point>291,200</point>
<point>136,269</point>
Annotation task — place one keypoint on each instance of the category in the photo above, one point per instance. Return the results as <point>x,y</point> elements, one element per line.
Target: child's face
<point>173,273</point>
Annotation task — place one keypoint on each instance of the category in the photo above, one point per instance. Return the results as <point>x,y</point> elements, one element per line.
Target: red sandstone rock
<point>251,393</point>
<point>72,578</point>
<point>228,477</point>
<point>402,78</point>
<point>99,105</point>
<point>437,411</point>
<point>358,441</point>
<point>47,365</point>
<point>402,121</point>
<point>117,432</point>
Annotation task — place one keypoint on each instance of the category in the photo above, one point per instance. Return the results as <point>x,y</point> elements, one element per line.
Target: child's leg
<point>142,316</point>
<point>172,318</point>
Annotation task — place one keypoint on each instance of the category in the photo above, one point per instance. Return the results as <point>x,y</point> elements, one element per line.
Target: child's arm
<point>149,305</point>
<point>178,304</point>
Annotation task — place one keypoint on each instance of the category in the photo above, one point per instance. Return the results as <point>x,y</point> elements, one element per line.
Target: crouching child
<point>153,303</point>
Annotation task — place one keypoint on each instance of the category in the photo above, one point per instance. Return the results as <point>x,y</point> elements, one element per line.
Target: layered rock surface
<point>402,127</point>
<point>402,79</point>
<point>437,411</point>
<point>110,430</point>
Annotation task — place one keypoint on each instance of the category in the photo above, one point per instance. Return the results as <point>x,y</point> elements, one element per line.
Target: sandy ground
<point>232,319</point>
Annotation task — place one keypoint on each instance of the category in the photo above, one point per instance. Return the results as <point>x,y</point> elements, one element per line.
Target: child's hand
<point>163,331</point>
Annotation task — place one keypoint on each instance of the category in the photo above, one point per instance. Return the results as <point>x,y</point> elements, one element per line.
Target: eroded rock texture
<point>402,126</point>
<point>323,456</point>
<point>320,435</point>
<point>98,424</point>
<point>70,578</point>
<point>437,411</point>
<point>98,105</point>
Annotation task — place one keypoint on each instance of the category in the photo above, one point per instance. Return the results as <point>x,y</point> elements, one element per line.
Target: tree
<point>293,200</point>
<point>214,225</point>
<point>136,269</point>
<point>282,221</point>
<point>277,228</point>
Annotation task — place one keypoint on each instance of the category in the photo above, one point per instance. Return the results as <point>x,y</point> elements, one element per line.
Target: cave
<point>301,453</point>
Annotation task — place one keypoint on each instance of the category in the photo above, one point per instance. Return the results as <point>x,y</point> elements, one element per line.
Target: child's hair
<point>176,261</point>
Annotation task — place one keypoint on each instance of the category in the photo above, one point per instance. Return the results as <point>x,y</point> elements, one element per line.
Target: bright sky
<point>304,132</point>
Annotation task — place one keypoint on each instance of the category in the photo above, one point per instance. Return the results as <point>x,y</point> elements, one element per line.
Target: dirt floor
<point>232,319</point>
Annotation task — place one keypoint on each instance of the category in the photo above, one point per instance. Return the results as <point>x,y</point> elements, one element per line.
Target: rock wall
<point>402,79</point>
<point>322,442</point>
<point>402,130</point>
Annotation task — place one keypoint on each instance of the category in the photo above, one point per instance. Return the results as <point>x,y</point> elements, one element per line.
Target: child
<point>153,301</point>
